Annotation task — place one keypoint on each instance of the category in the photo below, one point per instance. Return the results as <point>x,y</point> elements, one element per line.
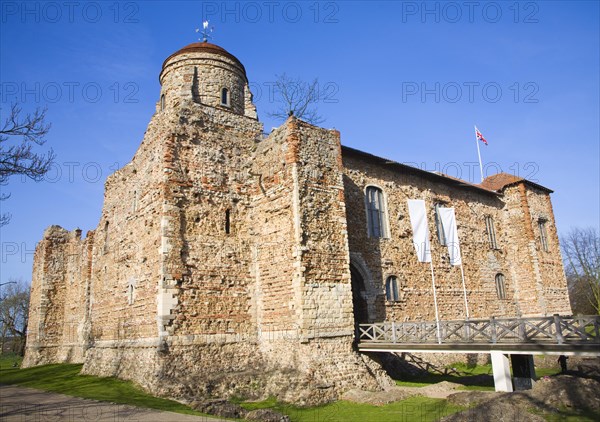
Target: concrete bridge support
<point>501,369</point>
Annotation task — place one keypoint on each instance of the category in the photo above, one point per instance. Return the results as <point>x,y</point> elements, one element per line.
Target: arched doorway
<point>359,303</point>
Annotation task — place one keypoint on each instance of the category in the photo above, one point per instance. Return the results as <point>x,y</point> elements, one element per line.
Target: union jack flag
<point>480,136</point>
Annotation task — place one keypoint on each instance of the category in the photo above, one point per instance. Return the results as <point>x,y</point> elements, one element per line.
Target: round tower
<point>205,74</point>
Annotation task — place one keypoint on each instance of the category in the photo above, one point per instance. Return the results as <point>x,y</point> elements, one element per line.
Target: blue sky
<point>404,80</point>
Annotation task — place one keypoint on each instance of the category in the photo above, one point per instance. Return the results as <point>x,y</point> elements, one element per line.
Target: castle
<point>229,263</point>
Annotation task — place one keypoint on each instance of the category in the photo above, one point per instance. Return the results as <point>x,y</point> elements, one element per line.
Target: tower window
<point>489,228</point>
<point>500,289</point>
<point>391,289</point>
<point>376,212</point>
<point>543,234</point>
<point>225,97</point>
<point>162,102</point>
<point>438,224</point>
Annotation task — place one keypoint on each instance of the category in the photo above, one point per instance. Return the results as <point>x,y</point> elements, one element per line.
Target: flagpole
<point>478,154</point>
<point>437,317</point>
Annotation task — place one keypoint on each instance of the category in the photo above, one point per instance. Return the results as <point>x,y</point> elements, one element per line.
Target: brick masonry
<point>221,264</point>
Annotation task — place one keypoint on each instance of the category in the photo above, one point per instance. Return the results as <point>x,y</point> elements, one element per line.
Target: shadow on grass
<point>472,378</point>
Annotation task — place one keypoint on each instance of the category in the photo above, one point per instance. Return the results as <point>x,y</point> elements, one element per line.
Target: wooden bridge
<point>501,337</point>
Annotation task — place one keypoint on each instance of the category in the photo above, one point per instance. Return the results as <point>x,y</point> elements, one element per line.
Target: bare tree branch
<point>14,314</point>
<point>581,254</point>
<point>18,136</point>
<point>297,97</point>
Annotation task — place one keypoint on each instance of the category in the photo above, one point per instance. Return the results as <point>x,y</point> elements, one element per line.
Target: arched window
<point>162,102</point>
<point>225,97</point>
<point>376,212</point>
<point>500,289</point>
<point>391,289</point>
<point>489,226</point>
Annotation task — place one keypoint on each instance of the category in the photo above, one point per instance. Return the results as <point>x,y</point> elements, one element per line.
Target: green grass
<point>568,415</point>
<point>415,408</point>
<point>65,379</point>
<point>10,360</point>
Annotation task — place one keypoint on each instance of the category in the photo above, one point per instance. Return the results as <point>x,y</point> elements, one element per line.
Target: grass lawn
<point>416,408</point>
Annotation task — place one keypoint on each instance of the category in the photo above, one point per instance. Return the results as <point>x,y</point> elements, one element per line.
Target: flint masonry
<point>227,262</point>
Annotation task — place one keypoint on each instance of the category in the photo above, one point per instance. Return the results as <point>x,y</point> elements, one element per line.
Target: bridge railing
<point>554,329</point>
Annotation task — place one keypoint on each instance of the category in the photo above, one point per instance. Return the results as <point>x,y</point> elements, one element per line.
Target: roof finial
<point>206,31</point>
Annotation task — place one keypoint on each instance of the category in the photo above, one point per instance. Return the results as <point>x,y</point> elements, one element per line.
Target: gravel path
<point>27,404</point>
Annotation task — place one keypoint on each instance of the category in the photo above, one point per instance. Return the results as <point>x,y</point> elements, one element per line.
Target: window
<point>225,97</point>
<point>500,290</point>
<point>227,222</point>
<point>130,293</point>
<point>543,234</point>
<point>438,224</point>
<point>489,228</point>
<point>162,102</point>
<point>376,215</point>
<point>106,238</point>
<point>391,289</point>
<point>135,200</point>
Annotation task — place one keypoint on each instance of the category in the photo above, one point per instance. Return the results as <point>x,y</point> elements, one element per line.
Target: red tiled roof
<point>205,47</point>
<point>499,181</point>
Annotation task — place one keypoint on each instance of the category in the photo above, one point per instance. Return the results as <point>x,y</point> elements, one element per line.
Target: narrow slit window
<point>162,102</point>
<point>376,213</point>
<point>106,237</point>
<point>543,234</point>
<point>500,287</point>
<point>135,199</point>
<point>491,232</point>
<point>391,289</point>
<point>227,222</point>
<point>130,295</point>
<point>225,97</point>
<point>438,224</point>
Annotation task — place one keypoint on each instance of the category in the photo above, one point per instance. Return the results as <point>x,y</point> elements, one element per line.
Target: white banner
<point>418,220</point>
<point>451,234</point>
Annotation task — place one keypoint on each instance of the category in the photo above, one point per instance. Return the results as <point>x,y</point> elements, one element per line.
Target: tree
<point>14,313</point>
<point>297,97</point>
<point>581,254</point>
<point>18,136</point>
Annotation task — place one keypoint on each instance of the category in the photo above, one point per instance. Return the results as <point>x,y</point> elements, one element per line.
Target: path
<point>29,405</point>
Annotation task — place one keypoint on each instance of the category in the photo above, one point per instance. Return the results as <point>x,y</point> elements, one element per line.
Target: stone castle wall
<point>516,256</point>
<point>58,327</point>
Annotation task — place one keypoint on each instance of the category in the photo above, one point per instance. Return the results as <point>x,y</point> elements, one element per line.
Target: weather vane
<point>206,31</point>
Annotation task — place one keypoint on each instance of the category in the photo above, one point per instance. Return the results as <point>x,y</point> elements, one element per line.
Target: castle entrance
<point>361,312</point>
